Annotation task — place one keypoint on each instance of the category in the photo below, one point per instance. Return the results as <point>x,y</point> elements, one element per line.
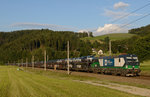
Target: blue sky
<point>74,15</point>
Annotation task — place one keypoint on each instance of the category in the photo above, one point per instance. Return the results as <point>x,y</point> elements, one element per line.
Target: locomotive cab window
<point>132,60</point>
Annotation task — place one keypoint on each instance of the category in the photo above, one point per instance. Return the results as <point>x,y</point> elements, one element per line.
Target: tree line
<point>23,44</point>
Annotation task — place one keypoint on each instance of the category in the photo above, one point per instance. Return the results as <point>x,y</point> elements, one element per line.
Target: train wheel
<point>137,74</point>
<point>123,74</point>
<point>114,73</point>
<point>95,71</point>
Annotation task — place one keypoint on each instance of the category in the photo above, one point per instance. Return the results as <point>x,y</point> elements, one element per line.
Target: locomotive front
<point>132,65</point>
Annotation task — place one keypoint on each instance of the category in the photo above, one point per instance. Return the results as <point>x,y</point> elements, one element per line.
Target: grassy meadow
<point>39,83</point>
<point>145,67</point>
<point>113,36</point>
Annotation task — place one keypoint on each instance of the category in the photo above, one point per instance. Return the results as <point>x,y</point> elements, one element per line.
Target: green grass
<point>145,67</point>
<point>84,78</point>
<point>113,36</point>
<point>38,83</point>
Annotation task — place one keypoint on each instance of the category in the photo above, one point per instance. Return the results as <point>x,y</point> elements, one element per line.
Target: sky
<point>99,16</point>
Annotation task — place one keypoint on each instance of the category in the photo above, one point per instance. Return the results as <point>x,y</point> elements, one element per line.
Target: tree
<point>142,48</point>
<point>90,34</point>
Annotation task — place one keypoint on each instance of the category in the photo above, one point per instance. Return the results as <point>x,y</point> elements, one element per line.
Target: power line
<point>130,13</point>
<point>133,21</point>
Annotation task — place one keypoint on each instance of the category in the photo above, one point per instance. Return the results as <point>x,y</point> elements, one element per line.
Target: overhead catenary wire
<point>135,20</point>
<point>132,22</point>
<point>130,13</point>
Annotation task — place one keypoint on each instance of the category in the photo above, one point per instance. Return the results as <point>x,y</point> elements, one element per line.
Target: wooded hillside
<point>23,44</point>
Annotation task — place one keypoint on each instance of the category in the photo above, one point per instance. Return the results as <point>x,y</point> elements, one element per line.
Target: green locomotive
<point>126,65</point>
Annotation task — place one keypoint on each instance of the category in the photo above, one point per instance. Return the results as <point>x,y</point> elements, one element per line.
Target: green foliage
<point>142,48</point>
<point>1,63</point>
<point>142,31</point>
<point>106,39</point>
<point>23,44</point>
<point>90,34</point>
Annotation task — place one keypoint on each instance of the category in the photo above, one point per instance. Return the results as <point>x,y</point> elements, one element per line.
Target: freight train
<point>124,65</point>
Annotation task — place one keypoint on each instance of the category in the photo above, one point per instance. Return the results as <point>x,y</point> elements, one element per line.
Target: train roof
<point>126,55</point>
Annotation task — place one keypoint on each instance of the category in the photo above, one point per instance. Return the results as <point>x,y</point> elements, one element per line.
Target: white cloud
<point>84,30</point>
<point>115,14</point>
<point>106,29</point>
<point>118,14</point>
<point>40,26</point>
<point>110,28</point>
<point>87,30</point>
<point>120,5</point>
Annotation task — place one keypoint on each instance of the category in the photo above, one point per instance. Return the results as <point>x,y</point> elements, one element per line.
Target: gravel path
<point>124,88</point>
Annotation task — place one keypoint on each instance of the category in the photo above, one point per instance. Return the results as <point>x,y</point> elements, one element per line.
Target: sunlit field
<point>39,83</point>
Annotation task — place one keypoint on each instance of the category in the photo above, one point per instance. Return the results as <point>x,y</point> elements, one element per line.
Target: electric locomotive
<point>126,65</point>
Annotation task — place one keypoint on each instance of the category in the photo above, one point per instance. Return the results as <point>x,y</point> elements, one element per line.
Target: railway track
<point>146,77</point>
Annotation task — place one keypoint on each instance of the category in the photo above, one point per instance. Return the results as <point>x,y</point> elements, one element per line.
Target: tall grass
<point>145,68</point>
<point>37,83</point>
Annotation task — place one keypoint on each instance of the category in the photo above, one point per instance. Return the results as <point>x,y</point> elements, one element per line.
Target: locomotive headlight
<point>133,66</point>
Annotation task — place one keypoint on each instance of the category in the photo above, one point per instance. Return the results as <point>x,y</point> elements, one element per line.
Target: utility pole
<point>14,63</point>
<point>18,63</point>
<point>109,47</point>
<point>45,60</point>
<point>8,62</point>
<point>32,62</point>
<point>68,57</point>
<point>26,62</point>
<point>22,62</point>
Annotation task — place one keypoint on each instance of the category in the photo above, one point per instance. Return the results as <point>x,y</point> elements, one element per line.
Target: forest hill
<point>23,44</point>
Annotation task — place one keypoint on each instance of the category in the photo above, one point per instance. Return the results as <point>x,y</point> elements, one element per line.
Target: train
<point>124,65</point>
